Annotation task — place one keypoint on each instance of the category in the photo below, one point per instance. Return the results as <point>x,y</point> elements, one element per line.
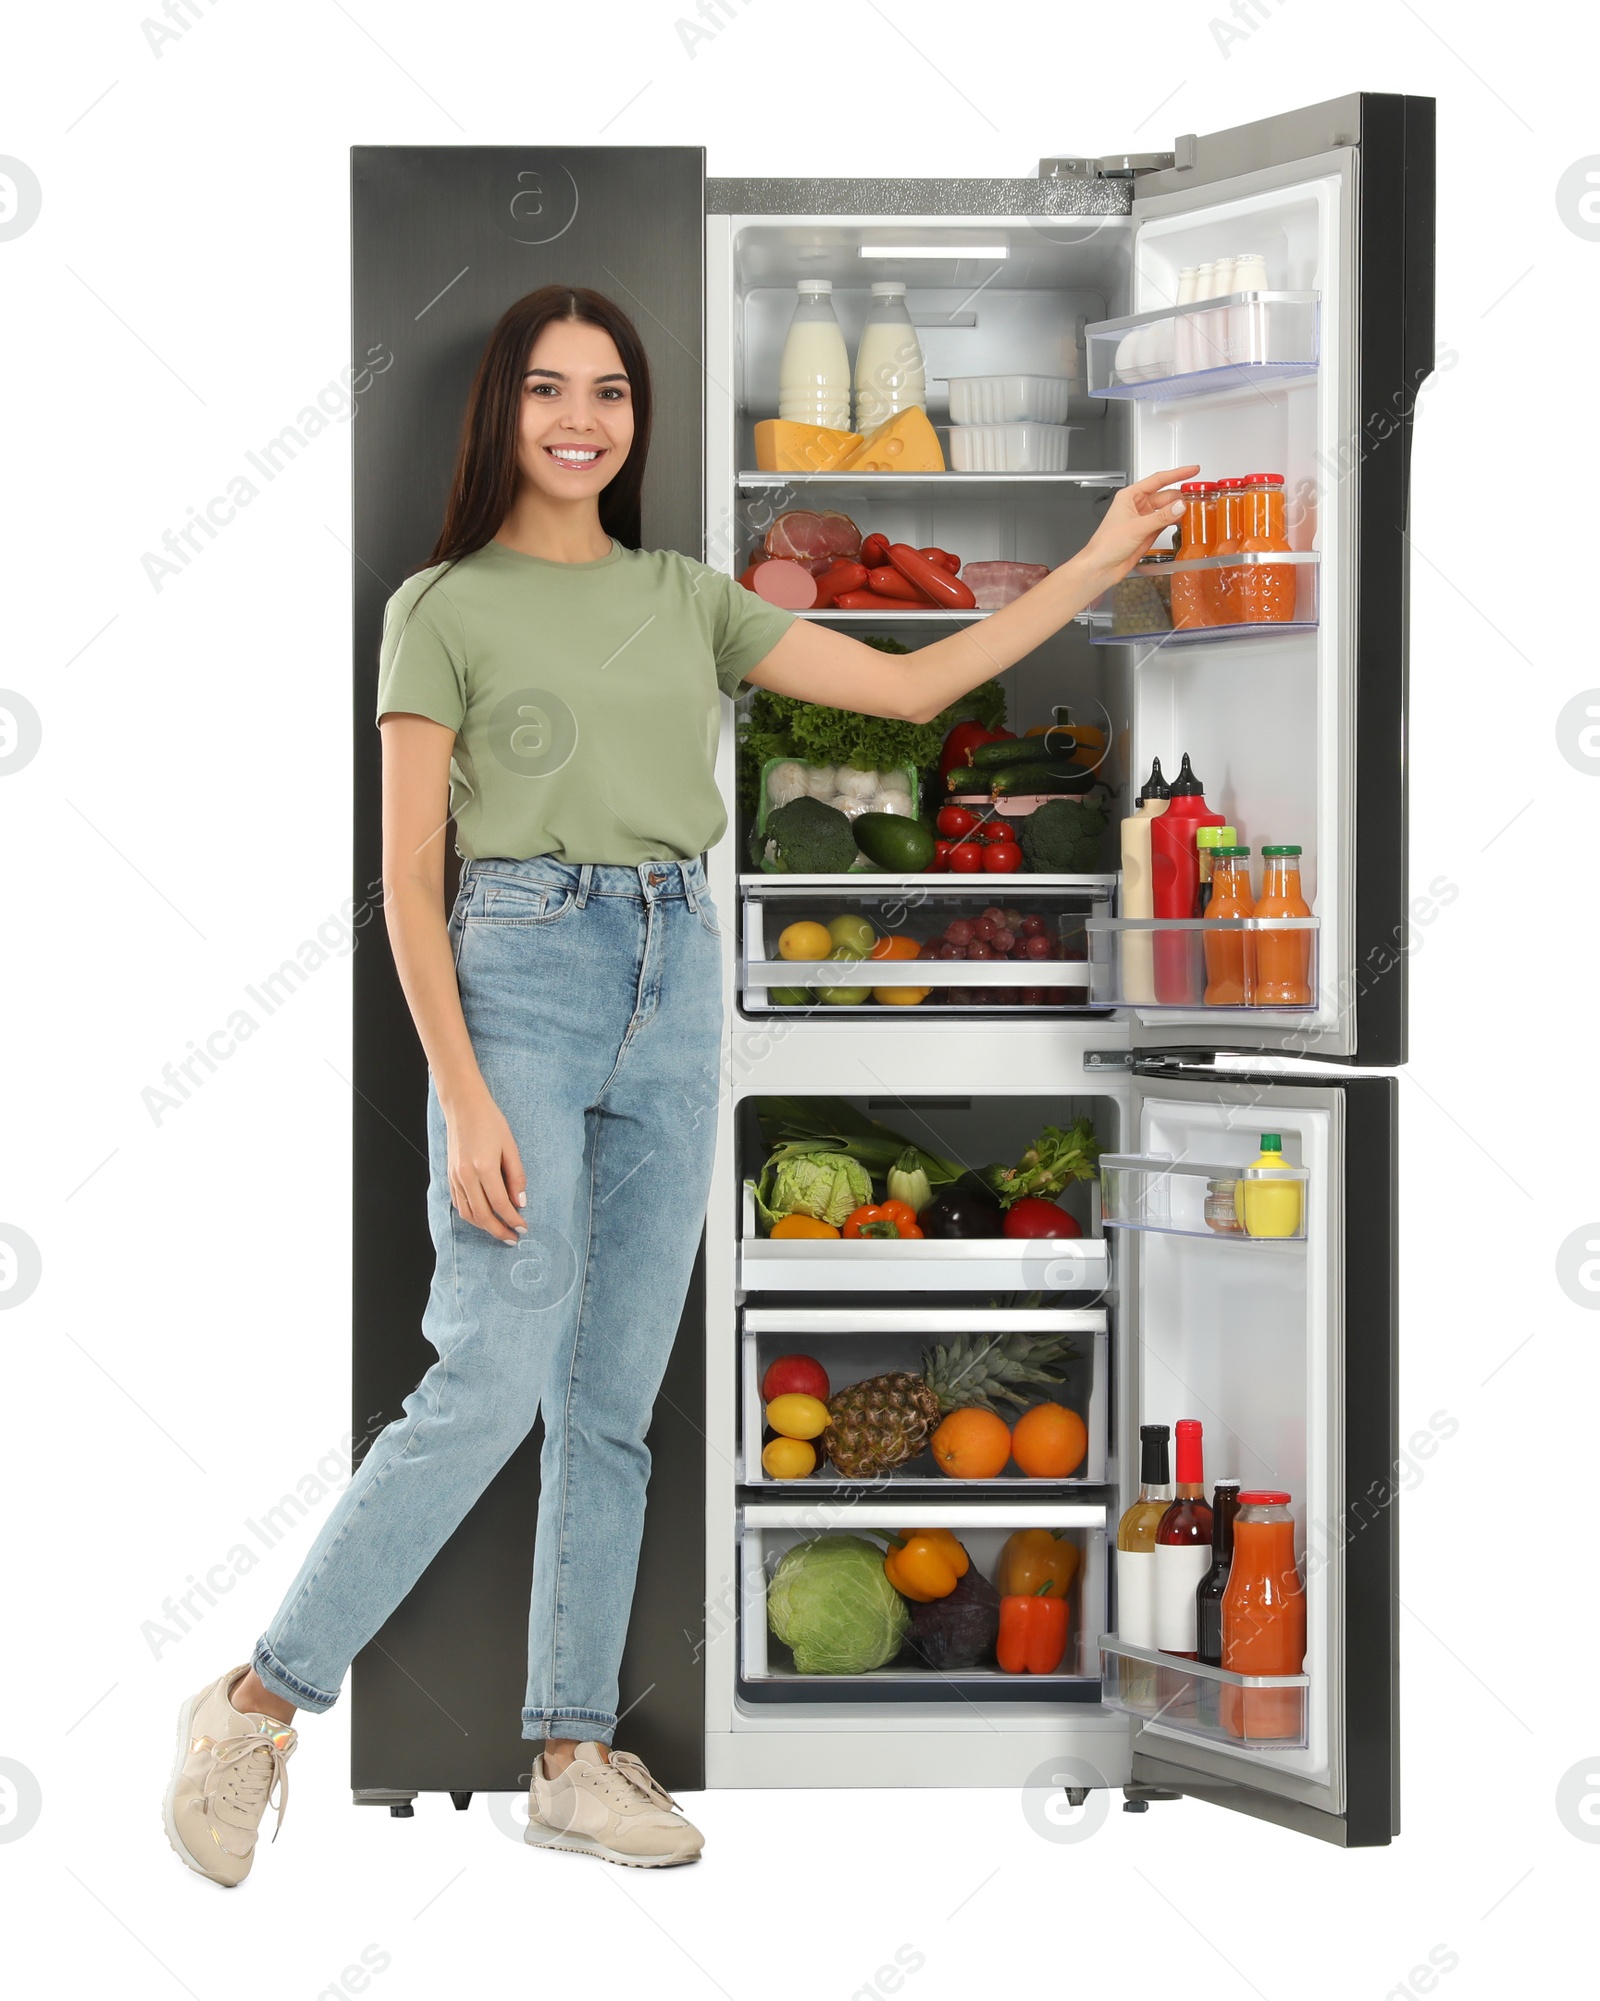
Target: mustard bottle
<point>1271,1208</point>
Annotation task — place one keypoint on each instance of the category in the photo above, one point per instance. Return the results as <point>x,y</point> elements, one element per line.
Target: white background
<point>185,825</point>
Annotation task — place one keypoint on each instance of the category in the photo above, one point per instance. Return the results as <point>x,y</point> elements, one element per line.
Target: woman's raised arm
<point>816,664</point>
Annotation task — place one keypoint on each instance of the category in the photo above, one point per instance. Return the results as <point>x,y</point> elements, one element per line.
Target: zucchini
<point>894,841</point>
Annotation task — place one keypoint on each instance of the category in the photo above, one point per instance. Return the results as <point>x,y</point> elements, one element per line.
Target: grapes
<point>993,915</point>
<point>1013,919</point>
<point>959,931</point>
<point>1036,947</point>
<point>1032,927</point>
<point>979,949</point>
<point>1003,940</point>
<point>985,928</point>
<point>996,933</point>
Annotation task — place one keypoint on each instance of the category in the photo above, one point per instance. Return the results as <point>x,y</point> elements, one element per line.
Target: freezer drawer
<point>767,1669</point>
<point>1039,960</point>
<point>971,1264</point>
<point>854,1343</point>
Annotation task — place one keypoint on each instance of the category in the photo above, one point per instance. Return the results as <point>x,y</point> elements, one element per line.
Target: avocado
<point>893,841</point>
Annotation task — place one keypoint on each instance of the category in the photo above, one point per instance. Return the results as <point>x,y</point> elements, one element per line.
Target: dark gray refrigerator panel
<point>443,240</point>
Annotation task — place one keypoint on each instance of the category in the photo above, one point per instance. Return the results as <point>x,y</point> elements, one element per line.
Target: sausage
<point>887,581</point>
<point>869,601</point>
<point>843,576</point>
<point>785,583</point>
<point>932,579</point>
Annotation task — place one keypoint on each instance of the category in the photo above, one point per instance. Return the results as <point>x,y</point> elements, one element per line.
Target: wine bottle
<point>1136,1538</point>
<point>1208,1598</point>
<point>1183,1548</point>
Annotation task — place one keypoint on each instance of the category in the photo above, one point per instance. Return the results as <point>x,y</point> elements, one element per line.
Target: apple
<point>794,1375</point>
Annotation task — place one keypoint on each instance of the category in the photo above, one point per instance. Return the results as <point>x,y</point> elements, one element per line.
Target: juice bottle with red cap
<point>1227,531</point>
<point>1264,592</point>
<point>1263,1619</point>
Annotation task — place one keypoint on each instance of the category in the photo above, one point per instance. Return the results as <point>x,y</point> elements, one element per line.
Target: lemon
<point>805,941</point>
<point>788,1458</point>
<point>798,1416</point>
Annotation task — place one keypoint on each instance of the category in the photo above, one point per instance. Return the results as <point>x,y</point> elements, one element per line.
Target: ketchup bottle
<point>1175,887</point>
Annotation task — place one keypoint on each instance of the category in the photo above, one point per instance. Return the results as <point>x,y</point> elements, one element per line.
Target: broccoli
<point>807,837</point>
<point>1062,837</point>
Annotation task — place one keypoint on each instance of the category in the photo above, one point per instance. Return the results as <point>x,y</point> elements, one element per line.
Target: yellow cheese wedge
<point>907,443</point>
<point>785,447</point>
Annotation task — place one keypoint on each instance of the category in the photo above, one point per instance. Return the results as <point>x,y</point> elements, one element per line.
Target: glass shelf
<point>1161,962</point>
<point>1190,1198</point>
<point>1242,340</point>
<point>1141,608</point>
<point>919,482</point>
<point>1265,1711</point>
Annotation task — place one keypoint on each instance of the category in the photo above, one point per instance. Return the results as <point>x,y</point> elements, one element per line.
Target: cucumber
<point>1022,750</point>
<point>894,841</point>
<point>1022,779</point>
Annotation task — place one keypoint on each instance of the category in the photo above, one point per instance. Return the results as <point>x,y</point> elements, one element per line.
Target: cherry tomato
<point>997,830</point>
<point>966,857</point>
<point>941,856</point>
<point>1002,858</point>
<point>956,821</point>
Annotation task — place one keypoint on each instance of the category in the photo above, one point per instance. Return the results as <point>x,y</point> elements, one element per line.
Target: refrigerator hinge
<point>1152,1062</point>
<point>1108,1059</point>
<point>1117,166</point>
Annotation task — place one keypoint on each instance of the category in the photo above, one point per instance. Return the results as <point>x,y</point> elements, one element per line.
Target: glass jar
<point>1220,1213</point>
<point>1265,592</point>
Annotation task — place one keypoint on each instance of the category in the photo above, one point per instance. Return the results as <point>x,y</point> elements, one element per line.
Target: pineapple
<point>884,1421</point>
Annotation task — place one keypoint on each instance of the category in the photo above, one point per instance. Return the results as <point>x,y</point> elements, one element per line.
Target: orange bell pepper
<point>802,1226</point>
<point>1033,1631</point>
<point>924,1564</point>
<point>1032,1556</point>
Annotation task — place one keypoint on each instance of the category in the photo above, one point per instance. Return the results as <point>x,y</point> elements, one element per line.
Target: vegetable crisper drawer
<point>856,1345</point>
<point>881,1265</point>
<point>844,1610</point>
<point>957,941</point>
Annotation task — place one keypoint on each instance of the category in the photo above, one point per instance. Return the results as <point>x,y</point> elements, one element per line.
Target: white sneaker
<point>229,1763</point>
<point>614,1810</point>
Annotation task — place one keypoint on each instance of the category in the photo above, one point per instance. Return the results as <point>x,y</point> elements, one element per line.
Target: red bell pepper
<point>1033,1631</point>
<point>963,740</point>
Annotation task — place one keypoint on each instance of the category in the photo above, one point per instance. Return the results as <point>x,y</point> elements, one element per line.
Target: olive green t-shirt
<point>583,696</point>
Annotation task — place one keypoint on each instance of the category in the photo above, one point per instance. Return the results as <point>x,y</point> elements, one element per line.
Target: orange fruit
<point>896,947</point>
<point>972,1445</point>
<point>1050,1442</point>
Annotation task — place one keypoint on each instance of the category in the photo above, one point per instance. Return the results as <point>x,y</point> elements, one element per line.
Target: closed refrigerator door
<point>1284,683</point>
<point>1264,1306</point>
<point>444,239</point>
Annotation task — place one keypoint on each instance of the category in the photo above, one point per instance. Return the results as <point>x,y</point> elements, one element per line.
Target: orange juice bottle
<point>1227,535</point>
<point>1283,958</point>
<point>1230,955</point>
<point>1263,1620</point>
<point>1191,596</point>
<point>1265,592</point>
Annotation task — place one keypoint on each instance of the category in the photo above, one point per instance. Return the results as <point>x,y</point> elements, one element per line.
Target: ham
<point>995,584</point>
<point>817,541</point>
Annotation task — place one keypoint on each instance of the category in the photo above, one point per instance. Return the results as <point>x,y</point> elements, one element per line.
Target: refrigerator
<point>1285,1349</point>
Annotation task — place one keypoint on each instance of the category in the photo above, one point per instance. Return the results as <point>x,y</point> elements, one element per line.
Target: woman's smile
<point>577,458</point>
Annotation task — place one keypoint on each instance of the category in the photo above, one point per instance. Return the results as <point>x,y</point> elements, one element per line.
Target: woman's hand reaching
<point>487,1184</point>
<point>1136,516</point>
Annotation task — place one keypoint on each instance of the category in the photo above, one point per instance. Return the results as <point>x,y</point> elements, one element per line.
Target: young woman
<point>553,687</point>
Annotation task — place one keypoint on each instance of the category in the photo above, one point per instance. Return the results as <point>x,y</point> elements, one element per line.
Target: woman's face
<point>577,411</point>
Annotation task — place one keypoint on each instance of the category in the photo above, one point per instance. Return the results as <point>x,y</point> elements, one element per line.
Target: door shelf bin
<point>1267,1712</point>
<point>1140,610</point>
<point>1160,962</point>
<point>854,1343</point>
<point>971,1264</point>
<point>1240,340</point>
<point>767,1672</point>
<point>1142,1192</point>
<point>920,907</point>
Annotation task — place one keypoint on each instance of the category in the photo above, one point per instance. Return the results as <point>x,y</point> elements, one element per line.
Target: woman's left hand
<point>1136,516</point>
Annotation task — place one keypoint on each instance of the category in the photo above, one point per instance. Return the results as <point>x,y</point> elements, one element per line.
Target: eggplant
<point>964,1210</point>
<point>959,1630</point>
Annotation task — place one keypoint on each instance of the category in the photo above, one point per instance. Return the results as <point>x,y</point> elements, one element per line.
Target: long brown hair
<point>485,482</point>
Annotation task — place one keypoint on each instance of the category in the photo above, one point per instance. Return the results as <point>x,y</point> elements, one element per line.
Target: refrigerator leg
<point>1076,1795</point>
<point>1136,1799</point>
<point>398,1803</point>
<point>462,1801</point>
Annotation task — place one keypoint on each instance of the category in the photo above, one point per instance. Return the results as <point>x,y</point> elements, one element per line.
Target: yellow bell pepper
<point>924,1564</point>
<point>1033,1557</point>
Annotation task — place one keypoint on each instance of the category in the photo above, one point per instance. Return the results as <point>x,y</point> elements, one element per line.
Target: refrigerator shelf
<point>970,1264</point>
<point>1241,340</point>
<point>766,1667</point>
<point>1169,1196</point>
<point>855,1345</point>
<point>1159,962</point>
<point>1138,611</point>
<point>1265,1712</point>
<point>1101,888</point>
<point>920,482</point>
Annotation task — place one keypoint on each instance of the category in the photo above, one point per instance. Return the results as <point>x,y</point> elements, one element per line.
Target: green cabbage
<point>832,1606</point>
<point>829,1186</point>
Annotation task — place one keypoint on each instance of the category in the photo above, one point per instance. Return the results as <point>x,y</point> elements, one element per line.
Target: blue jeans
<point>593,999</point>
